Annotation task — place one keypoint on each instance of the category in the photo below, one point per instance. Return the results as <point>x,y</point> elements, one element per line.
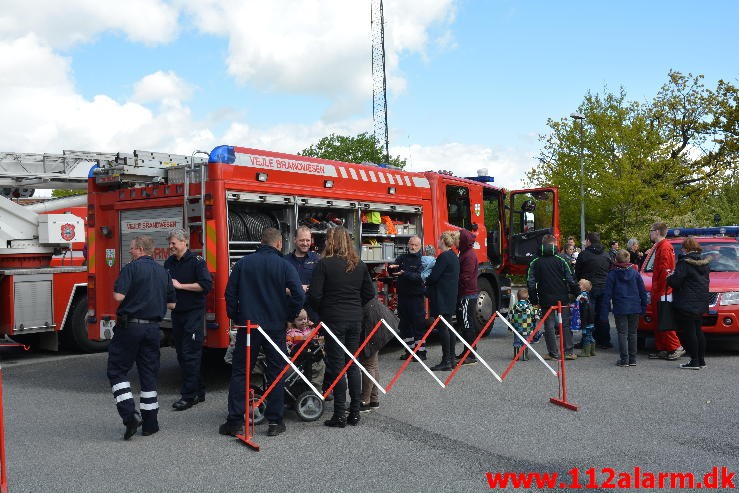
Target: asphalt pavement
<point>62,432</point>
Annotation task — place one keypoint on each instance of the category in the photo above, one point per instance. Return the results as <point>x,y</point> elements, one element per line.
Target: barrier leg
<point>249,414</point>
<point>562,400</point>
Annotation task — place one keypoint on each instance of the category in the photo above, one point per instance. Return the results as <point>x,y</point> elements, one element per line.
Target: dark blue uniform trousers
<point>275,364</point>
<point>137,343</point>
<point>187,332</point>
<point>412,315</point>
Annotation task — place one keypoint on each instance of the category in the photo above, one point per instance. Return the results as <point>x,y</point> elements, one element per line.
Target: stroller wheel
<point>308,406</point>
<point>259,416</point>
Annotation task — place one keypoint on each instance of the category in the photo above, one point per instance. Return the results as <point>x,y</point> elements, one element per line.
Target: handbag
<point>665,314</point>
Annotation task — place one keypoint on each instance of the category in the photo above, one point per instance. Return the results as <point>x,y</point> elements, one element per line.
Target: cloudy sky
<point>471,83</point>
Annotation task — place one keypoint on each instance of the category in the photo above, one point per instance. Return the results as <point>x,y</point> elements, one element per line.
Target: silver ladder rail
<point>194,205</point>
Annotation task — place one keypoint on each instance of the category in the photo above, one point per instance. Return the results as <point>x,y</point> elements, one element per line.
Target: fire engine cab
<point>227,199</point>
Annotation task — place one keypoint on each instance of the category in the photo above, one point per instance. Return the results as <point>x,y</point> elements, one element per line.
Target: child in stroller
<point>298,395</point>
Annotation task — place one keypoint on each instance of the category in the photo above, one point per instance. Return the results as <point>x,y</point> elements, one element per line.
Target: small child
<point>586,317</point>
<point>297,332</point>
<point>427,261</point>
<point>625,289</point>
<point>523,318</point>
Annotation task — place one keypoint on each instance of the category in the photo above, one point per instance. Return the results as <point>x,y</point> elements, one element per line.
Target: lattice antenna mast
<point>379,80</point>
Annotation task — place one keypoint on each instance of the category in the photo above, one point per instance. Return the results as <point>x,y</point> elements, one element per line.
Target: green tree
<point>663,159</point>
<point>362,148</point>
<point>58,193</point>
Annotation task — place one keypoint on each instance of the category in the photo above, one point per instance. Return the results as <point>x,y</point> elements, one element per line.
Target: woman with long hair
<point>690,300</point>
<point>341,285</point>
<point>441,287</point>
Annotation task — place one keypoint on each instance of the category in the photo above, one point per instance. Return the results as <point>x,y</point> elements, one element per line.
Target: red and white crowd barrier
<point>254,403</point>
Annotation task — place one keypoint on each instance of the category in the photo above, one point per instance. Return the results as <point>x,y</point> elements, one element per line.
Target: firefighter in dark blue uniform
<point>411,308</point>
<point>304,261</point>
<point>256,292</point>
<point>145,291</point>
<point>192,282</point>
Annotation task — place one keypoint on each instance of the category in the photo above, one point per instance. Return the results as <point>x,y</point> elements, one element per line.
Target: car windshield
<point>724,256</point>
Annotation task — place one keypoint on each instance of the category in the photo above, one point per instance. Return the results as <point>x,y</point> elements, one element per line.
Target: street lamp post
<point>578,116</point>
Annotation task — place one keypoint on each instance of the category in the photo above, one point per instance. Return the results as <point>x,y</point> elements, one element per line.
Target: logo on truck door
<point>67,232</point>
<point>110,256</point>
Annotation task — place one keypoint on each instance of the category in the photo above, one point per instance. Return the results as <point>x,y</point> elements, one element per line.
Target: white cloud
<point>65,23</point>
<point>507,165</point>
<point>324,48</point>
<point>161,86</point>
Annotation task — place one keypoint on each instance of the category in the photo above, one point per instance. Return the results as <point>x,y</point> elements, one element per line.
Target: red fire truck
<point>42,270</point>
<point>227,200</point>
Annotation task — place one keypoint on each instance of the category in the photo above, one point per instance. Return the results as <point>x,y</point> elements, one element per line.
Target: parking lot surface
<point>63,433</point>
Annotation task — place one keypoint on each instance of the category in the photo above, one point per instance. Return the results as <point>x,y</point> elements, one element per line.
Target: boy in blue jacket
<point>625,289</point>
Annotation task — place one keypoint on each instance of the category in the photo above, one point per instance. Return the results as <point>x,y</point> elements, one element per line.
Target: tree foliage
<point>58,193</point>
<point>673,158</point>
<point>360,149</point>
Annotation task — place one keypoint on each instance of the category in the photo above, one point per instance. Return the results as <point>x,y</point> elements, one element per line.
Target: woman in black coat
<point>690,300</point>
<point>340,286</point>
<point>442,286</point>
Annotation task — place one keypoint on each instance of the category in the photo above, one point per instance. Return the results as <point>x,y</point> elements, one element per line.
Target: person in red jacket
<point>667,342</point>
<point>467,292</point>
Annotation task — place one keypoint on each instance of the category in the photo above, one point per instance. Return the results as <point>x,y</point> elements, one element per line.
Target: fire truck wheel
<point>75,330</point>
<point>486,302</point>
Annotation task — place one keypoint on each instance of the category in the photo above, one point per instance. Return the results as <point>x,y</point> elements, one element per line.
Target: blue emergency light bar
<point>714,231</point>
<point>481,179</point>
<point>222,154</point>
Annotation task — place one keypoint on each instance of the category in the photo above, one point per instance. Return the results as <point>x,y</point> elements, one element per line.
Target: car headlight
<point>730,298</point>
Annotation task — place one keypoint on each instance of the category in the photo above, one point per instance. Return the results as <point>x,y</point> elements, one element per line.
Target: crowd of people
<point>290,292</point>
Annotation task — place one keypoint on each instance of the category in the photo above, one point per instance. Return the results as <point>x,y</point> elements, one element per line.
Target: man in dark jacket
<point>304,260</point>
<point>256,293</point>
<point>192,282</point>
<point>467,292</point>
<point>593,264</point>
<point>550,281</point>
<point>411,310</point>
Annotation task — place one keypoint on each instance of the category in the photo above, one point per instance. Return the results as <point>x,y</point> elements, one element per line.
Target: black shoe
<point>183,404</point>
<point>421,355</point>
<point>353,418</point>
<point>132,425</point>
<point>702,364</point>
<point>366,407</point>
<point>336,421</point>
<point>443,366</point>
<point>231,429</point>
<point>690,366</point>
<point>275,429</point>
<point>470,360</point>
<point>621,364</point>
<point>149,432</point>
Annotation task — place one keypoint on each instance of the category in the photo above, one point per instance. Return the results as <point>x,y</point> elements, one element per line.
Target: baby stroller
<point>298,395</point>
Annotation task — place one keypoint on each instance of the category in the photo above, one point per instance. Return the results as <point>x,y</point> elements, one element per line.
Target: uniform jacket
<point>338,295</point>
<point>304,265</point>
<point>593,264</point>
<point>625,290</point>
<point>443,283</point>
<point>664,259</point>
<point>690,283</point>
<point>147,288</point>
<point>467,265</point>
<point>256,290</point>
<point>410,282</point>
<point>549,279</point>
<point>187,270</point>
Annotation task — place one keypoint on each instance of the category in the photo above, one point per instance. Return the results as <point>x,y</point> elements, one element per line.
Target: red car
<point>722,245</point>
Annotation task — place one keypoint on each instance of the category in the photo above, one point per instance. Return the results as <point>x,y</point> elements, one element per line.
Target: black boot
<point>338,420</point>
<point>353,418</point>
